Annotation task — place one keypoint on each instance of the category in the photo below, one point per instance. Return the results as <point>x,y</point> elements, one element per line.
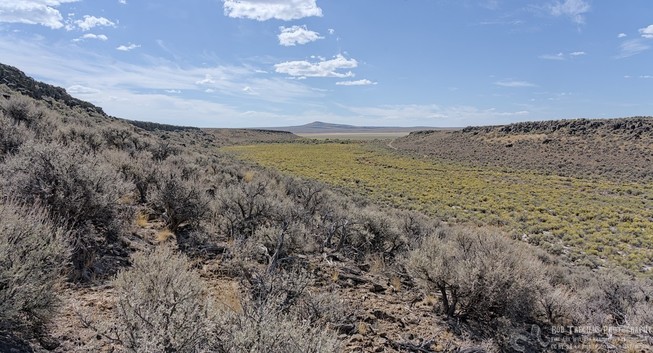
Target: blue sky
<point>247,63</point>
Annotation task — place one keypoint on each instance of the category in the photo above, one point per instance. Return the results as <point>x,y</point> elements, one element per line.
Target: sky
<point>258,63</point>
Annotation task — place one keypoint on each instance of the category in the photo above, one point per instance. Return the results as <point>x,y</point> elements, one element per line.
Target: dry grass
<point>249,176</point>
<point>142,220</point>
<point>228,294</point>
<point>164,235</point>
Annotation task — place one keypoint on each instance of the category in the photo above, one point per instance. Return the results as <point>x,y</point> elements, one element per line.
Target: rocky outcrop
<point>18,81</point>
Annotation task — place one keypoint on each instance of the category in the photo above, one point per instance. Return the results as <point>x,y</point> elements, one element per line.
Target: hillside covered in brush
<point>140,237</point>
<point>619,149</point>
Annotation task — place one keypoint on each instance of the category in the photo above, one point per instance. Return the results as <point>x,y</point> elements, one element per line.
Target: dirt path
<point>390,144</point>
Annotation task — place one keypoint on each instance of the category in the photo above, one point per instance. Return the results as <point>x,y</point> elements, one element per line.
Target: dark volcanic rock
<point>17,80</point>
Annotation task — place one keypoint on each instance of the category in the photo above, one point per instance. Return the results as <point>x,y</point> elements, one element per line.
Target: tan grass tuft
<point>164,235</point>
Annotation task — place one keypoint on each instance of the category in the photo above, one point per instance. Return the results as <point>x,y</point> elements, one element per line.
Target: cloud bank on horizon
<point>244,63</point>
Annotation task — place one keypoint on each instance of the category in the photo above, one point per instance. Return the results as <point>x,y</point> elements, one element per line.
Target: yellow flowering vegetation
<point>586,220</point>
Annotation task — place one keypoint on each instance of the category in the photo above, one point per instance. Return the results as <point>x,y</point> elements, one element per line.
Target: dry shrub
<point>612,297</point>
<point>280,315</point>
<point>479,274</point>
<point>162,150</point>
<point>12,136</point>
<point>22,110</point>
<point>416,226</point>
<point>137,168</point>
<point>375,231</point>
<point>85,136</point>
<point>309,194</point>
<point>163,306</point>
<point>80,192</point>
<point>260,330</point>
<point>33,254</point>
<point>244,207</point>
<point>183,201</point>
<point>25,112</point>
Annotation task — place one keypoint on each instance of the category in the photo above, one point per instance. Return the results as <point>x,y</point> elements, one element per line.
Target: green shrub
<point>33,254</point>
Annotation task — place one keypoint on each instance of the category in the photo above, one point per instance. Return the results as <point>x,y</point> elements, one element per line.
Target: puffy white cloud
<point>128,47</point>
<point>515,84</point>
<point>35,12</point>
<point>331,31</point>
<point>207,80</point>
<point>291,36</point>
<point>647,32</point>
<point>622,35</point>
<point>101,37</point>
<point>574,9</point>
<point>263,10</point>
<point>91,21</point>
<point>364,82</point>
<point>124,2</point>
<point>322,68</point>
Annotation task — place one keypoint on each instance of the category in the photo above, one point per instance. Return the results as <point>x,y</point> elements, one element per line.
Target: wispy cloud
<point>89,22</point>
<point>632,47</point>
<point>101,37</point>
<point>126,89</point>
<point>574,9</point>
<point>434,115</point>
<point>559,56</point>
<point>364,82</point>
<point>622,35</point>
<point>490,4</point>
<point>34,12</point>
<point>514,84</point>
<point>647,32</point>
<point>322,68</point>
<point>81,90</point>
<point>562,56</point>
<point>291,36</point>
<point>502,22</point>
<point>128,47</point>
<point>263,10</point>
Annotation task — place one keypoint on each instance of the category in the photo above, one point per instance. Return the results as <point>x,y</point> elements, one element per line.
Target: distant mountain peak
<point>324,125</point>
